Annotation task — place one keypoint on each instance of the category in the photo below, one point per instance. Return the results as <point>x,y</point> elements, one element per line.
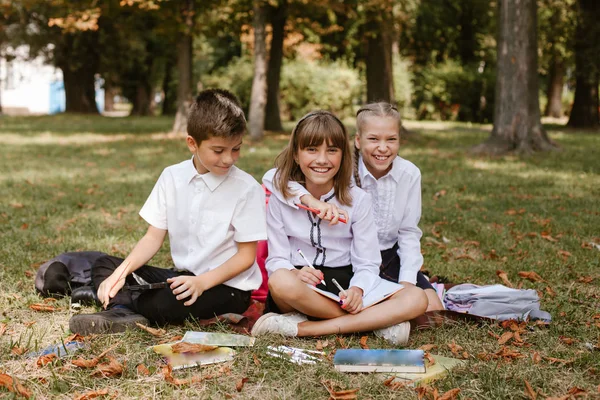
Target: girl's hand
<point>185,286</point>
<point>354,301</point>
<point>310,275</point>
<point>111,285</point>
<point>328,212</point>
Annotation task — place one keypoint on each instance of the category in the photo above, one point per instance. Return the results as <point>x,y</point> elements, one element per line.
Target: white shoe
<point>397,334</point>
<point>283,324</point>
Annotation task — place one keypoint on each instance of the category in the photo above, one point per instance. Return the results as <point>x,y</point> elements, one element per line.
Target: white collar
<point>363,172</point>
<point>212,180</point>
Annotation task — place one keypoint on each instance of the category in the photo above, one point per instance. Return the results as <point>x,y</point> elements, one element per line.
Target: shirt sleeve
<point>409,234</point>
<point>364,251</point>
<point>249,219</point>
<point>279,243</point>
<point>295,188</point>
<point>154,210</point>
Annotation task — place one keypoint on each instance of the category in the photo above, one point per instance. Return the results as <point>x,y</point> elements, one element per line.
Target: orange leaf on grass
<point>536,357</point>
<point>553,360</point>
<point>506,336</point>
<point>46,359</point>
<point>586,279</point>
<point>564,254</point>
<point>142,370</point>
<point>531,275</point>
<point>2,328</point>
<point>152,331</point>
<point>529,392</point>
<point>341,342</point>
<point>427,347</point>
<point>80,362</point>
<point>185,347</point>
<point>455,348</point>
<point>450,394</point>
<point>13,385</point>
<point>256,360</point>
<point>393,384</point>
<point>349,394</point>
<point>567,340</point>
<point>111,368</point>
<point>504,277</point>
<point>43,307</point>
<point>91,395</point>
<point>363,342</point>
<point>76,337</point>
<point>18,351</point>
<point>576,392</point>
<point>430,359</point>
<point>545,235</point>
<point>168,374</point>
<point>240,384</point>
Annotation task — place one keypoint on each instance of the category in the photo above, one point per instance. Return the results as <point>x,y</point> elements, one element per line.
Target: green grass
<point>76,183</point>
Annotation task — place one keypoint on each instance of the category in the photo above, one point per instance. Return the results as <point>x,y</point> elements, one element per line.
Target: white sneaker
<point>397,334</point>
<point>283,324</point>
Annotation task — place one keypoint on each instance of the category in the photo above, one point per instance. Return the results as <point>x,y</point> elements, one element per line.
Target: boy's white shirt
<point>397,209</point>
<point>205,215</point>
<point>289,229</point>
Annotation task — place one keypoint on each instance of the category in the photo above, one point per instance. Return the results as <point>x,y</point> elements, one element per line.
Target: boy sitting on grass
<point>214,214</point>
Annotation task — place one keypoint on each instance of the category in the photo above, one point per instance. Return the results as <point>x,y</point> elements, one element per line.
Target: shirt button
<point>191,250</point>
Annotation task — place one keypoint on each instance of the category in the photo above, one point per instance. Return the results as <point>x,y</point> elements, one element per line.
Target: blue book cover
<point>379,360</point>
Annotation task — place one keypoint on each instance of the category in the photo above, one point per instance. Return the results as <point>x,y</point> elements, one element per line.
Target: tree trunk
<point>379,69</point>
<point>168,106</point>
<point>109,96</point>
<point>517,123</point>
<point>184,67</point>
<point>556,79</point>
<point>584,113</point>
<point>258,97</point>
<point>143,100</point>
<point>273,113</point>
<point>80,92</point>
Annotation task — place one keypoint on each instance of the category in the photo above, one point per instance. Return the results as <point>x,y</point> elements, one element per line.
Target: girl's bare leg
<point>291,294</point>
<point>407,304</point>
<point>434,301</point>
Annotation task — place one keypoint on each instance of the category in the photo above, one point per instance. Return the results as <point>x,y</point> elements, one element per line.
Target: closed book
<point>379,360</point>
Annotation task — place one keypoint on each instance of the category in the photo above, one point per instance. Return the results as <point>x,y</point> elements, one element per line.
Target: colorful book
<point>187,360</point>
<point>436,371</point>
<point>218,339</point>
<point>377,294</point>
<point>379,360</point>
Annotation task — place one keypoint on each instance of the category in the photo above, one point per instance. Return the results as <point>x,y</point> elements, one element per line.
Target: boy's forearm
<point>241,261</point>
<point>143,251</point>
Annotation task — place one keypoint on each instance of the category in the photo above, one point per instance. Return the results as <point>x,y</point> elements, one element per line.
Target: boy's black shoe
<point>86,296</point>
<point>114,320</point>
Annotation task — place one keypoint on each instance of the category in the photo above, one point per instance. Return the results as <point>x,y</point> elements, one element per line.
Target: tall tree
<point>278,19</point>
<point>584,113</point>
<point>184,64</point>
<point>379,67</point>
<point>258,96</point>
<point>517,120</point>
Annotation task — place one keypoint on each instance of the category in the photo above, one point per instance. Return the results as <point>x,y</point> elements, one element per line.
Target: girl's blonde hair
<point>312,130</point>
<point>380,109</point>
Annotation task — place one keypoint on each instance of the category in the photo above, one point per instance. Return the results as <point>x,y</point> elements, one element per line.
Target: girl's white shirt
<point>355,243</point>
<point>397,210</point>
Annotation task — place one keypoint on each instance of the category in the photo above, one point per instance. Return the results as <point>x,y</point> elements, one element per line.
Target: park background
<point>500,104</point>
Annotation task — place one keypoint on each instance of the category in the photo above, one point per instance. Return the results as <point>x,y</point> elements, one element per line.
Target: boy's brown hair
<point>312,130</point>
<point>215,112</point>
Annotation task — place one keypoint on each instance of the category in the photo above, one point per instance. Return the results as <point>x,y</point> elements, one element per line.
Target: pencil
<point>309,264</point>
<point>314,210</point>
<point>339,287</point>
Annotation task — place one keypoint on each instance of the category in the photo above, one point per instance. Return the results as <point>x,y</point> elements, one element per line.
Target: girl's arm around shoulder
<point>364,251</point>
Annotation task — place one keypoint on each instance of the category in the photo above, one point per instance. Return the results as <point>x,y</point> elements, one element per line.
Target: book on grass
<point>437,370</point>
<point>377,294</point>
<point>218,339</point>
<point>379,360</point>
<point>188,360</point>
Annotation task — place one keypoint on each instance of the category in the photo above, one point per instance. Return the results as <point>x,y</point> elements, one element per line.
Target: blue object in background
<point>57,97</point>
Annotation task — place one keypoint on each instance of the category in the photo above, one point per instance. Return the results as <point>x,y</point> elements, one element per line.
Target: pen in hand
<point>309,264</point>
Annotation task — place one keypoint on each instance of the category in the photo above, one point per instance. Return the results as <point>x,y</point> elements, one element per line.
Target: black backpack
<point>62,274</point>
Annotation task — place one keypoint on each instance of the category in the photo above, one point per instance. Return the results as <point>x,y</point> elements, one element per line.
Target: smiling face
<point>215,154</point>
<point>378,143</point>
<point>319,164</point>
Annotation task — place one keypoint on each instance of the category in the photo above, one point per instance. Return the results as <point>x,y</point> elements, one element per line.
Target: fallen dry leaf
<point>553,360</point>
<point>46,359</point>
<point>152,331</point>
<point>455,348</point>
<point>536,357</point>
<point>2,328</point>
<point>546,235</point>
<point>76,337</point>
<point>111,368</point>
<point>342,342</point>
<point>349,394</point>
<point>506,336</point>
<point>492,334</point>
<point>185,347</point>
<point>504,277</point>
<point>91,395</point>
<point>563,254</point>
<point>586,279</point>
<point>576,392</point>
<point>319,345</point>
<point>240,384</point>
<point>43,307</point>
<point>29,323</point>
<point>13,385</point>
<point>507,354</point>
<point>256,360</point>
<point>567,340</point>
<point>428,347</point>
<point>168,374</point>
<point>363,342</point>
<point>393,384</point>
<point>18,351</point>
<point>550,291</point>
<point>531,275</point>
<point>430,359</point>
<point>82,363</point>
<point>142,370</point>
<point>450,394</point>
<point>529,392</point>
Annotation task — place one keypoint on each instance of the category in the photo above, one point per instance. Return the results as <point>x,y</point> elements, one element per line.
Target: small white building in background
<point>33,87</point>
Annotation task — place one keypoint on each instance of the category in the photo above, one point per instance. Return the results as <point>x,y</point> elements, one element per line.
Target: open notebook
<point>378,293</point>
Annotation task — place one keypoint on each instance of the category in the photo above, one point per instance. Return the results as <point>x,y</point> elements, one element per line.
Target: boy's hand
<point>185,286</point>
<point>328,212</point>
<point>111,286</point>
<point>354,301</point>
<point>310,275</point>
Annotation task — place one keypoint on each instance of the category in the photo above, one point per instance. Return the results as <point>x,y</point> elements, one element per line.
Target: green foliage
<point>403,85</point>
<point>305,85</point>
<point>452,91</point>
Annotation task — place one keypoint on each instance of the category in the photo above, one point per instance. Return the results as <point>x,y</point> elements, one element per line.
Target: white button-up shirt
<point>205,215</point>
<point>290,229</point>
<point>397,210</point>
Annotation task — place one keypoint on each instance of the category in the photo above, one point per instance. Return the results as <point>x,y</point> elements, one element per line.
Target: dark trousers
<point>390,268</point>
<point>160,305</point>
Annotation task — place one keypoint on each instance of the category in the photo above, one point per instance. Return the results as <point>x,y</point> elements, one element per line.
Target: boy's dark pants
<point>160,305</point>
